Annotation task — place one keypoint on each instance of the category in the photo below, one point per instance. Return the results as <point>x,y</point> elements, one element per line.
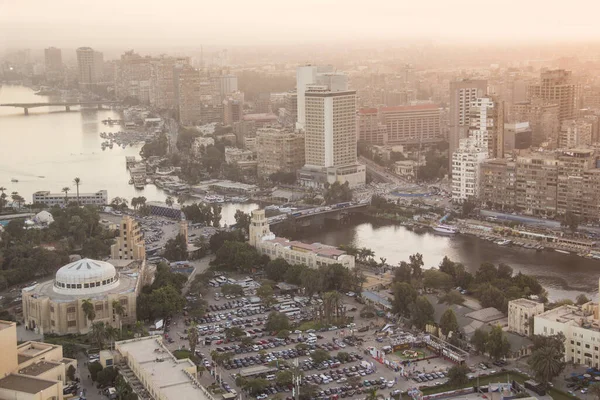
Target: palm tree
<point>77,182</point>
<point>119,310</point>
<point>372,395</point>
<point>138,328</point>
<point>546,363</point>
<point>66,189</point>
<point>192,337</point>
<point>112,334</point>
<point>98,333</point>
<point>169,201</point>
<point>88,309</point>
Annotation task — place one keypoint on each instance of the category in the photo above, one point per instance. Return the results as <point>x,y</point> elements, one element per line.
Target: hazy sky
<point>142,23</point>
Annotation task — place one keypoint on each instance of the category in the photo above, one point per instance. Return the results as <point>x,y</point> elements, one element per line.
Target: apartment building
<point>575,133</point>
<point>305,76</point>
<point>486,125</point>
<point>462,92</point>
<point>517,136</point>
<point>133,77</point>
<point>188,96</point>
<point>278,150</point>
<point>557,87</point>
<point>53,63</point>
<point>520,315</point>
<point>497,183</point>
<point>90,67</point>
<point>98,198</point>
<point>163,85</point>
<point>466,161</point>
<point>233,111</point>
<point>370,128</point>
<point>412,124</point>
<point>543,117</point>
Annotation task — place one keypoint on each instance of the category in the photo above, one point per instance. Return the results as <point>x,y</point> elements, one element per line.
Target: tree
<point>343,356</point>
<point>582,299</point>
<point>416,264</point>
<point>265,292</point>
<point>404,296</point>
<point>403,273</point>
<point>71,373</point>
<point>497,345</point>
<point>479,340</point>
<point>570,221</point>
<point>448,322</point>
<point>452,297</point>
<point>176,249</point>
<point>88,309</point>
<point>94,368</point>
<point>234,332</point>
<point>98,334</point>
<point>77,182</point>
<point>192,333</point>
<point>169,201</point>
<point>242,220</point>
<point>118,310</point>
<point>66,189</point>
<point>434,279</point>
<point>110,333</point>
<point>284,378</point>
<point>594,390</point>
<point>277,321</point>
<point>467,207</point>
<point>256,386</point>
<point>232,290</point>
<point>320,355</point>
<point>457,375</point>
<point>422,312</point>
<point>372,394</point>
<point>337,193</point>
<point>276,269</point>
<point>547,363</point>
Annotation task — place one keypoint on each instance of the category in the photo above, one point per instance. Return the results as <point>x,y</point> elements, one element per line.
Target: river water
<point>63,145</point>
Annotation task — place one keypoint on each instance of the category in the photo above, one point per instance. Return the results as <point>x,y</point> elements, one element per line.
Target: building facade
<point>461,94</point>
<point>466,161</point>
<point>575,133</point>
<point>520,315</point>
<point>130,243</point>
<point>190,107</point>
<point>370,128</point>
<point>56,306</point>
<point>412,124</point>
<point>543,117</point>
<point>557,87</point>
<point>53,199</point>
<point>133,77</point>
<point>278,151</point>
<point>313,255</point>
<point>90,67</point>
<point>486,125</point>
<point>306,75</point>
<point>330,138</point>
<point>163,85</point>
<point>53,63</point>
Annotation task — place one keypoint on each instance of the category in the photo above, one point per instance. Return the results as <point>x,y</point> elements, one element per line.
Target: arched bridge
<point>67,104</point>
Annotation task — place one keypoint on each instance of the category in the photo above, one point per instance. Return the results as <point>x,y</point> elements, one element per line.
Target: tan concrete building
<point>521,313</point>
<point>55,306</point>
<point>188,93</point>
<point>130,243</point>
<point>543,117</point>
<point>575,133</point>
<point>313,255</point>
<point>557,86</point>
<point>278,150</point>
<point>31,370</point>
<point>163,83</point>
<point>412,124</point>
<point>497,183</point>
<point>370,128</point>
<point>133,77</point>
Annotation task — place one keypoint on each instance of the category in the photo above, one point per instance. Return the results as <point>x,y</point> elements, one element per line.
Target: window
<point>71,323</point>
<point>99,307</point>
<point>70,309</point>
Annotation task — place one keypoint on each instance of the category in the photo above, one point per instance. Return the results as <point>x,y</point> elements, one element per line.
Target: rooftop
<point>486,314</point>
<point>420,107</point>
<point>26,384</point>
<point>318,248</point>
<point>524,303</point>
<point>6,324</point>
<point>168,376</point>
<point>571,315</point>
<point>38,368</point>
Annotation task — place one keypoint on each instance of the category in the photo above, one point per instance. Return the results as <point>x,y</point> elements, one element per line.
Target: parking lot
<point>353,375</point>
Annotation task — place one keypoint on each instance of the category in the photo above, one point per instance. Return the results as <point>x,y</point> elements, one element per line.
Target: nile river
<point>61,145</point>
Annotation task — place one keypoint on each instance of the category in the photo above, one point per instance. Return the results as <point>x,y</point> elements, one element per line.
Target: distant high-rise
<point>307,75</point>
<point>90,67</point>
<point>557,86</point>
<point>53,63</point>
<point>163,90</point>
<point>225,85</point>
<point>278,151</point>
<point>486,125</point>
<point>189,96</point>
<point>330,138</point>
<point>461,94</point>
<point>133,77</point>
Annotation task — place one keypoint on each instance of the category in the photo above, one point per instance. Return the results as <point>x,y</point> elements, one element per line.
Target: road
<point>380,172</point>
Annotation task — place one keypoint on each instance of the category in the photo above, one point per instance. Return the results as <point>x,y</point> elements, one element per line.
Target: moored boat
<point>445,229</point>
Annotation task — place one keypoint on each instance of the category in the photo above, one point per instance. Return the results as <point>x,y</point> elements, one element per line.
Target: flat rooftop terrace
<point>25,384</point>
<point>38,368</point>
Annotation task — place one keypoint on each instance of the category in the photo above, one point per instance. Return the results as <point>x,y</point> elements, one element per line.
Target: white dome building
<point>55,306</point>
<point>43,218</point>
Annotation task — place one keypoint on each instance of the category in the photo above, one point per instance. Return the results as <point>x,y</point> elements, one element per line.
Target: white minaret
<point>259,227</point>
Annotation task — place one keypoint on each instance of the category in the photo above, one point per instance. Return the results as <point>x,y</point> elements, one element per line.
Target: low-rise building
<point>575,133</point>
<point>61,199</point>
<point>294,252</point>
<point>233,155</point>
<point>278,150</point>
<point>163,376</point>
<point>406,168</point>
<point>521,313</point>
<point>201,143</point>
<point>164,210</point>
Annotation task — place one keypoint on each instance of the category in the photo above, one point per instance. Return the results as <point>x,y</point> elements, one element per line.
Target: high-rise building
<point>305,76</point>
<point>330,138</point>
<point>461,94</point>
<point>90,67</point>
<point>517,136</point>
<point>543,117</point>
<point>466,161</point>
<point>163,83</point>
<point>188,92</point>
<point>557,87</point>
<point>412,124</point>
<point>278,150</point>
<point>290,103</point>
<point>370,128</point>
<point>53,63</point>
<point>486,125</point>
<point>575,133</point>
<point>225,85</point>
<point>130,243</point>
<point>133,77</point>
<point>233,111</point>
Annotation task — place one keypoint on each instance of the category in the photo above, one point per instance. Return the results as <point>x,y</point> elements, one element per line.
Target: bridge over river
<point>317,216</point>
<point>67,104</point>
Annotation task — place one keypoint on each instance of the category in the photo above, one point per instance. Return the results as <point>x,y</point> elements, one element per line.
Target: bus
<point>291,311</point>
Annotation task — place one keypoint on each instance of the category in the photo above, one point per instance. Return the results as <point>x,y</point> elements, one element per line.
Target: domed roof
<point>86,274</point>
<point>43,217</point>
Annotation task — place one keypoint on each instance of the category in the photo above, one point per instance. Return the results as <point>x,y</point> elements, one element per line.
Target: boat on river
<point>14,180</point>
<point>445,229</point>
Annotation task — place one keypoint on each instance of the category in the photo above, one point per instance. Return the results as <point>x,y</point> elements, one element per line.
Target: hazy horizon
<point>184,24</point>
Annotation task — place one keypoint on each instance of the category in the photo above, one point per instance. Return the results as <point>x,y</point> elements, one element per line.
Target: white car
<point>390,384</point>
